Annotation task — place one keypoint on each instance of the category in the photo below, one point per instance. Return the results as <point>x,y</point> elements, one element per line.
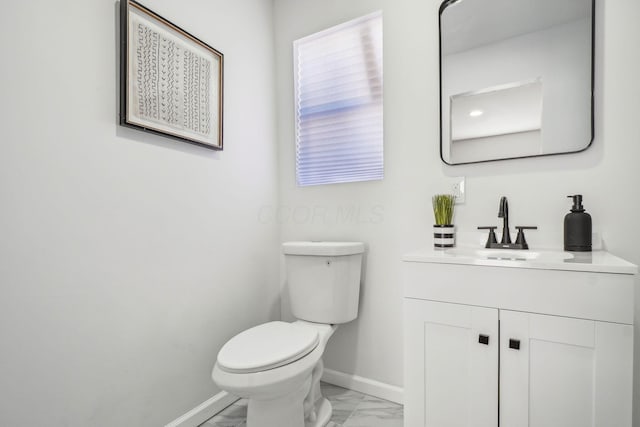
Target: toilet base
<point>323,414</point>
<point>283,411</point>
<point>262,413</point>
<point>317,409</point>
<point>304,407</point>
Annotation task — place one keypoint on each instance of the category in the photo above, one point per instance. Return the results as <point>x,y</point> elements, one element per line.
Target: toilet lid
<point>267,346</point>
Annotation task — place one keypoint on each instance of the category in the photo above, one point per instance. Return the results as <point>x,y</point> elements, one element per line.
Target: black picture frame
<point>171,82</point>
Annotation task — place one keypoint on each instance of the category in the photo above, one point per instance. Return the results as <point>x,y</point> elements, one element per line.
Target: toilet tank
<point>323,280</point>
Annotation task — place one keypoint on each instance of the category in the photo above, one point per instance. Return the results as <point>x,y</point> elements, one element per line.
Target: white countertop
<point>597,261</point>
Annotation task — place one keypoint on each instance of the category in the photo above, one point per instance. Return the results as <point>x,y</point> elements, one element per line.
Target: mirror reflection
<point>516,78</point>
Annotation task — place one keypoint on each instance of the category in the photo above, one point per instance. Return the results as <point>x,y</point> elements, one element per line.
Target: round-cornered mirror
<point>516,78</point>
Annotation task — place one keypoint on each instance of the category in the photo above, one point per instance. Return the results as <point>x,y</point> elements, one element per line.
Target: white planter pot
<point>444,236</point>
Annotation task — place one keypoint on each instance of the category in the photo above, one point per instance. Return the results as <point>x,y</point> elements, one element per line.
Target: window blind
<point>338,101</point>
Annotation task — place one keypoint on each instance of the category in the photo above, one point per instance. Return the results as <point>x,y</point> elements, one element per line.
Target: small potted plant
<point>443,229</point>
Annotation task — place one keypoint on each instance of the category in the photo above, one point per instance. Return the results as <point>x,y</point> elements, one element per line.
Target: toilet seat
<point>267,346</point>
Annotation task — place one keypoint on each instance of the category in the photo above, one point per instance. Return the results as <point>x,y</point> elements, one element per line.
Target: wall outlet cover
<point>458,189</point>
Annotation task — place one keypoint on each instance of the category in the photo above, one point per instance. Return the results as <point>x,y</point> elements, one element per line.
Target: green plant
<point>443,208</point>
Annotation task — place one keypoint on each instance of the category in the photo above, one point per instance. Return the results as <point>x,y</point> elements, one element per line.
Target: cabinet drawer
<point>598,296</point>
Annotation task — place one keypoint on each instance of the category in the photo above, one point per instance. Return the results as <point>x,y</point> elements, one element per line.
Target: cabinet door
<point>564,372</point>
<point>451,365</point>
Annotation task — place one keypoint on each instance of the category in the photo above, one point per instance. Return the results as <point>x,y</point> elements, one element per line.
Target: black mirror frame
<point>447,3</point>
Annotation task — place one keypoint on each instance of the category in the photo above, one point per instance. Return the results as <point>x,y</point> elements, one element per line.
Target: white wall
<point>126,259</point>
<point>394,215</point>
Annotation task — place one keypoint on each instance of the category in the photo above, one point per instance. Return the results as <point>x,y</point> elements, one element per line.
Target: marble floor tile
<point>233,416</point>
<point>371,421</point>
<point>350,409</point>
<point>343,401</point>
<point>374,412</point>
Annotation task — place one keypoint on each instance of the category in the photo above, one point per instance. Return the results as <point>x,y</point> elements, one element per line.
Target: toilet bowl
<point>277,366</point>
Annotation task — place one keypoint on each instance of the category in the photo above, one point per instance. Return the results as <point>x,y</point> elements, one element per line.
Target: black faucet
<point>503,213</point>
<point>505,243</point>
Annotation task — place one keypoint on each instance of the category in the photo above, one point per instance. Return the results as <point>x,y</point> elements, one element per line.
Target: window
<point>338,99</point>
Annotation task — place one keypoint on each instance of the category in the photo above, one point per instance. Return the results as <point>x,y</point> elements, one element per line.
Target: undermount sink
<point>510,255</point>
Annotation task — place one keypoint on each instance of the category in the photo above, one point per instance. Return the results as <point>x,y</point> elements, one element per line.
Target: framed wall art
<point>171,83</point>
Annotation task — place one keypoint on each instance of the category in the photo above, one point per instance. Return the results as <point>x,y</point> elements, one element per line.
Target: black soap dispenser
<point>577,227</point>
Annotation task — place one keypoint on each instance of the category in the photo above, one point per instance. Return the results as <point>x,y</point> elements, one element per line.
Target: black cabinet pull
<point>514,344</point>
<point>483,339</point>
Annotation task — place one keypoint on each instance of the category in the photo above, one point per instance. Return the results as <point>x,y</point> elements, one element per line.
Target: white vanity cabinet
<point>517,345</point>
<point>450,378</point>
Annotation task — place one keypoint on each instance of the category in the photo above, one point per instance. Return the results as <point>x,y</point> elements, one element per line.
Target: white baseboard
<point>204,411</point>
<point>364,385</point>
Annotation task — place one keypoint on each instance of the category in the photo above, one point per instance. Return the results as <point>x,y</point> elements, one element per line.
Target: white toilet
<point>277,365</point>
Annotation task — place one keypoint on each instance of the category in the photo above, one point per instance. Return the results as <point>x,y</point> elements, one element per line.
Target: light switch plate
<point>458,189</point>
